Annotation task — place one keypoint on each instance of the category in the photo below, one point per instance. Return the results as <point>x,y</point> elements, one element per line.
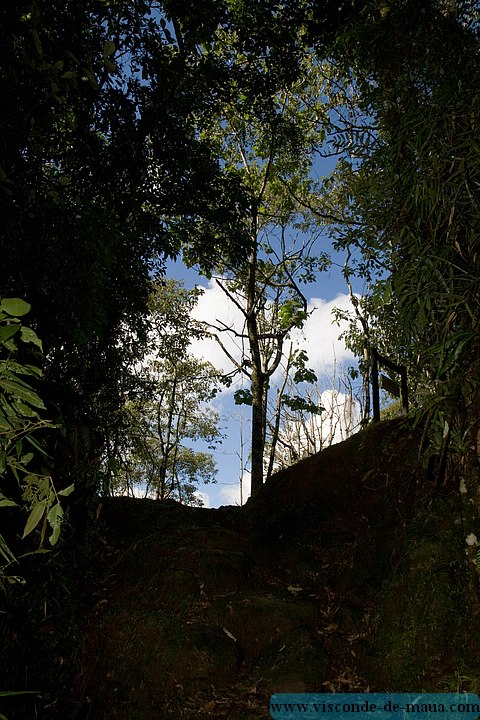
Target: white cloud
<point>214,307</point>
<point>339,420</point>
<point>230,494</point>
<point>203,496</point>
<point>319,336</point>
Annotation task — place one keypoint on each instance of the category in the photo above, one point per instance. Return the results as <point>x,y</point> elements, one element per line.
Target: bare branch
<point>240,368</point>
<point>223,327</point>
<point>241,150</point>
<point>231,297</point>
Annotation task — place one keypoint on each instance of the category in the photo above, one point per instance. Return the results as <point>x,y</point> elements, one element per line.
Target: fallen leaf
<point>294,589</point>
<point>229,634</point>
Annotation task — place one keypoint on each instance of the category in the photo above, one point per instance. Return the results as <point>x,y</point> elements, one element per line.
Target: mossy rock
<point>421,638</point>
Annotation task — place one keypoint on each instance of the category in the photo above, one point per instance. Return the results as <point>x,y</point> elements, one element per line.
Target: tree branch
<point>231,297</point>
<point>324,216</point>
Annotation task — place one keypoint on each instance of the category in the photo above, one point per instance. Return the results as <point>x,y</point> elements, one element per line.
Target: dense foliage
<point>410,192</point>
<point>139,131</point>
<point>101,171</point>
<point>155,453</point>
<point>135,132</point>
<point>27,489</point>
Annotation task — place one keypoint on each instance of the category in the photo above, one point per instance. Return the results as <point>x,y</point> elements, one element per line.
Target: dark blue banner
<point>375,706</point>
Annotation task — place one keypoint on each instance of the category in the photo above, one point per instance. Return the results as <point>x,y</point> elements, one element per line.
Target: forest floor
<point>346,573</point>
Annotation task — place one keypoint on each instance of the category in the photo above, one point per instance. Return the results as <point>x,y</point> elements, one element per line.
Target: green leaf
<point>91,78</point>
<point>305,375</point>
<point>36,445</point>
<point>25,410</point>
<point>33,479</point>
<point>109,48</point>
<point>8,331</point>
<point>55,519</point>
<point>11,368</point>
<point>32,370</point>
<point>38,43</point>
<point>34,518</point>
<point>23,392</point>
<point>6,552</point>
<point>6,502</point>
<point>12,579</point>
<point>72,56</point>
<point>28,335</point>
<point>38,551</point>
<point>15,306</point>
<point>67,491</point>
<point>243,397</point>
<point>299,403</point>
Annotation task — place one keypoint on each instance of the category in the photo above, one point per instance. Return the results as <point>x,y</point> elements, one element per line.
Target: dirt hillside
<point>343,574</point>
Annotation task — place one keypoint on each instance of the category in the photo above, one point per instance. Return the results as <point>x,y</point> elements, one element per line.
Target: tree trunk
<point>166,443</point>
<point>259,392</point>
<point>278,414</point>
<point>258,378</point>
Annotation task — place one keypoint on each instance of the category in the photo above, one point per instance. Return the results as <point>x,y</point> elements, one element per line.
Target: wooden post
<point>404,389</point>
<point>375,388</point>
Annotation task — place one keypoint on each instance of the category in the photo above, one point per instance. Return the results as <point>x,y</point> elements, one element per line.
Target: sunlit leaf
<point>6,502</point>
<point>66,491</point>
<point>28,335</point>
<point>34,518</point>
<point>8,331</point>
<point>15,306</point>
<point>23,392</point>
<point>108,48</point>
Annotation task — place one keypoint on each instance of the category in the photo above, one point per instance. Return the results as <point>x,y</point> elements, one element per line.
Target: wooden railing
<point>396,389</point>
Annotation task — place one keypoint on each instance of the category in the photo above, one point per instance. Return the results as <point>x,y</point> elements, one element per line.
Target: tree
<point>411,201</point>
<point>158,454</point>
<point>105,172</point>
<point>302,430</point>
<point>416,196</point>
<point>172,412</point>
<point>271,149</point>
<point>101,169</point>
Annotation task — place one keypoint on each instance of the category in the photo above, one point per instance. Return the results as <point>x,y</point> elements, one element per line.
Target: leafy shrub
<point>25,484</point>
